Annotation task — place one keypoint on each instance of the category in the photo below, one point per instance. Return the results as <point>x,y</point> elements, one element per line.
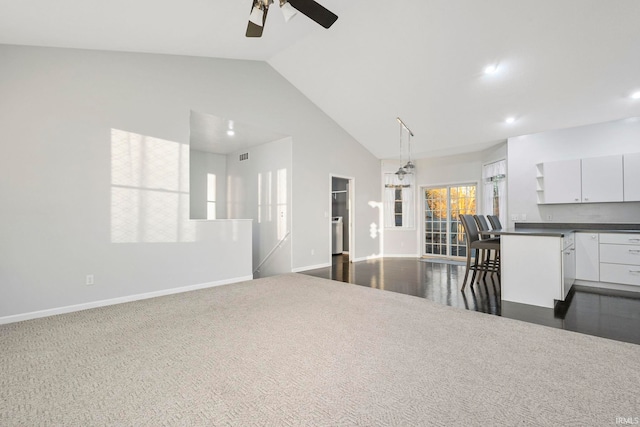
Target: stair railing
<point>275,248</point>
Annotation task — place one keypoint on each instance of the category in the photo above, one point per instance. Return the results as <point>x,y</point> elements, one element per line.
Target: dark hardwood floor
<point>609,314</point>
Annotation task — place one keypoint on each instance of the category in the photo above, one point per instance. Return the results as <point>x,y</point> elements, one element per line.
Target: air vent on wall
<point>244,156</point>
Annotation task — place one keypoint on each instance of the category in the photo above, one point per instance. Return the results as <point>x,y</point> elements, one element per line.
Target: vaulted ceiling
<point>559,63</point>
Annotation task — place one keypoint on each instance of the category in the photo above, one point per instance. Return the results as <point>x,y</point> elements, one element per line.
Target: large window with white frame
<point>443,232</point>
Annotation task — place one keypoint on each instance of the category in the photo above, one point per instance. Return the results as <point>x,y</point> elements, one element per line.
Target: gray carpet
<point>299,350</point>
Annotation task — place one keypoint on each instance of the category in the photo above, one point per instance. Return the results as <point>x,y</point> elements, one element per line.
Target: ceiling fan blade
<point>254,30</point>
<point>315,11</point>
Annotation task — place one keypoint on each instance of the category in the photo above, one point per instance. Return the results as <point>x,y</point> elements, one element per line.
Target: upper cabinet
<point>559,182</point>
<point>632,177</point>
<point>594,180</point>
<point>602,179</point>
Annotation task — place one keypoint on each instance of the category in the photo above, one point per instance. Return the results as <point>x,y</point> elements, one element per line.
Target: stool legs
<point>485,262</point>
<point>466,273</point>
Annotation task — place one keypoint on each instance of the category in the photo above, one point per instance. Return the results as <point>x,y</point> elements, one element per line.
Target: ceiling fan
<point>289,8</point>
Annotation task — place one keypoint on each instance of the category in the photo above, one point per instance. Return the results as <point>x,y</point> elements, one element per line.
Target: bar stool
<point>484,226</point>
<point>495,222</point>
<point>482,223</point>
<point>482,264</point>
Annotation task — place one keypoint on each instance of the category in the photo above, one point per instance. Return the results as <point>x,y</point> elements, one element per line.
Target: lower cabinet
<point>540,270</point>
<point>620,273</point>
<point>536,270</point>
<point>620,258</point>
<point>608,257</point>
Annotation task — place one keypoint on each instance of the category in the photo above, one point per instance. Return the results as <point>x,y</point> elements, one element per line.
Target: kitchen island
<point>538,261</point>
<point>537,265</point>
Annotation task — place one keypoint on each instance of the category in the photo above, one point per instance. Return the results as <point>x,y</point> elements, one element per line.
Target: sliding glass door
<point>443,232</point>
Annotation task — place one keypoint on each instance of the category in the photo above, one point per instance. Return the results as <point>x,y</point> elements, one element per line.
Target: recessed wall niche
<point>240,171</point>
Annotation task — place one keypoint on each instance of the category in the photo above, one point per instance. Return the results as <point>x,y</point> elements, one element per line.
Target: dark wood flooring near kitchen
<point>609,314</point>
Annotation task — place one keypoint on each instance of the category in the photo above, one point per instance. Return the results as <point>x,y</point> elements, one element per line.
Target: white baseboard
<point>606,285</point>
<point>400,256</point>
<point>119,300</point>
<point>366,258</point>
<point>310,267</point>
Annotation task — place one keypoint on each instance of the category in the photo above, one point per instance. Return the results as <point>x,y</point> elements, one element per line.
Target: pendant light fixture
<point>401,171</point>
<point>409,167</point>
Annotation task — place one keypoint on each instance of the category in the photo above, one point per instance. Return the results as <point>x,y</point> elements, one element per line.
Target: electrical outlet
<point>549,217</point>
<point>514,217</point>
<point>523,217</point>
<point>89,280</point>
<point>313,251</point>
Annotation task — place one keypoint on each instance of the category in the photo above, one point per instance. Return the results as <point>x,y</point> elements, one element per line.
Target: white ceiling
<point>214,28</point>
<point>561,63</point>
<point>210,133</point>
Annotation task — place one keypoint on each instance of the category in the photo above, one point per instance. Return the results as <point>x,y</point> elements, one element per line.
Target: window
<point>398,201</point>
<point>398,207</point>
<point>495,189</point>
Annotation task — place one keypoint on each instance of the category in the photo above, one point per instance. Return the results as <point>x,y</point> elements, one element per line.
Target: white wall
<point>325,153</point>
<point>434,172</point>
<point>260,189</point>
<point>601,139</point>
<point>57,111</point>
<point>201,164</point>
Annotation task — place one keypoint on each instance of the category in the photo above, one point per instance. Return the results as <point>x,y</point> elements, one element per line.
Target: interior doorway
<point>342,216</point>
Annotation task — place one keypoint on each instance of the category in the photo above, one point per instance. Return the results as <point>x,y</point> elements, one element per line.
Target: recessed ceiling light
<point>490,69</point>
<point>510,120</point>
<point>231,132</point>
<point>635,95</point>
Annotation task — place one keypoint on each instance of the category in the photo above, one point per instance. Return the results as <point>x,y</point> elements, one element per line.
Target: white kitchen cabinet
<point>560,182</point>
<point>602,179</point>
<point>620,254</point>
<point>632,177</point>
<point>535,270</point>
<point>620,258</point>
<point>620,273</point>
<point>588,256</point>
<point>620,238</point>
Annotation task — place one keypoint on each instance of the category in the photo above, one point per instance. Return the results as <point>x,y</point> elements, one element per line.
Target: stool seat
<point>492,244</point>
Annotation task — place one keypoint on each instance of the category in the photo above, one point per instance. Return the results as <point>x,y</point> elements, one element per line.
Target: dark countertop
<point>583,226</point>
<point>556,229</point>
